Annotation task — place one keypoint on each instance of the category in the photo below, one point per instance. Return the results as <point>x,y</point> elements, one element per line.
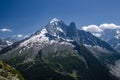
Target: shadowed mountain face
<point>61,52</point>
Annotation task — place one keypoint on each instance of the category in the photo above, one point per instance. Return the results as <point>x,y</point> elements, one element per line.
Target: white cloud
<point>91,28</point>
<point>102,27</point>
<point>5,30</point>
<point>97,34</point>
<point>19,35</point>
<point>14,36</point>
<point>26,36</point>
<point>96,30</point>
<point>108,26</point>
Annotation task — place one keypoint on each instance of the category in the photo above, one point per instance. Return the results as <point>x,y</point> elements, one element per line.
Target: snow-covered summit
<point>54,21</point>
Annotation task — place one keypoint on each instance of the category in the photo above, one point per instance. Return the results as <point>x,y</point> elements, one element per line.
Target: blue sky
<point>26,16</point>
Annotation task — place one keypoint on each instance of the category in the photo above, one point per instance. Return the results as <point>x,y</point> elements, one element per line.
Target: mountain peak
<point>72,24</point>
<point>54,20</point>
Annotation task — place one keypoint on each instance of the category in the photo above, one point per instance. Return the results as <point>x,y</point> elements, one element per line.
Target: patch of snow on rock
<point>9,43</point>
<point>117,36</point>
<point>39,38</point>
<point>54,21</point>
<point>59,29</point>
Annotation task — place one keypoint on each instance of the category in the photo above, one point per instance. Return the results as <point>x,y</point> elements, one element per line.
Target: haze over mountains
<point>6,42</point>
<point>63,52</point>
<point>107,32</point>
<point>112,37</point>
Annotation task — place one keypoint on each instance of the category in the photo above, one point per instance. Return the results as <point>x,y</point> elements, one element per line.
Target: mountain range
<point>63,52</point>
<point>4,42</point>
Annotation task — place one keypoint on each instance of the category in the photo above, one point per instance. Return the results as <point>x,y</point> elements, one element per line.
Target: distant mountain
<point>62,52</point>
<point>9,73</point>
<point>112,36</point>
<point>6,42</point>
<point>108,34</point>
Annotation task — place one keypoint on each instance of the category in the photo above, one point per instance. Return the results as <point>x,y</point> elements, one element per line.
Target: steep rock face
<point>61,52</point>
<point>9,73</point>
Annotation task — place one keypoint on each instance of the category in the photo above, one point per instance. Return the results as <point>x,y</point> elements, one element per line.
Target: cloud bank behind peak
<point>99,28</point>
